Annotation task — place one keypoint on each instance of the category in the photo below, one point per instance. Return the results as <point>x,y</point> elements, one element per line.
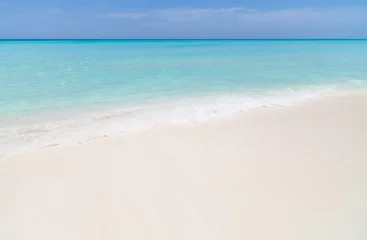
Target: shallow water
<point>63,92</point>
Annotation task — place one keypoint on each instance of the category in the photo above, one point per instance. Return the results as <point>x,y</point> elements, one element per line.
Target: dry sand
<point>279,173</point>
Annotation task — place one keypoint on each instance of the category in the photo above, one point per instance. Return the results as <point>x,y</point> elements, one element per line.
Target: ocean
<point>61,92</point>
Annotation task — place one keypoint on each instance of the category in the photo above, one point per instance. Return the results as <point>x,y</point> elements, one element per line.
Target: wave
<point>116,121</point>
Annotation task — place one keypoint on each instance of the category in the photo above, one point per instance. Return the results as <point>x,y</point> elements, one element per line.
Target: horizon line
<point>96,39</point>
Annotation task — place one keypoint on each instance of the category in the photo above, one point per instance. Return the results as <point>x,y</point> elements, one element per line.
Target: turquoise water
<point>59,92</point>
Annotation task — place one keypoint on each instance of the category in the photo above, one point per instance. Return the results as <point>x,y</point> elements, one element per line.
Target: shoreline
<point>37,133</point>
<point>296,172</point>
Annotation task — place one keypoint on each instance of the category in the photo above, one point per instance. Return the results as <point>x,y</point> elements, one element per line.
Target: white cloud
<point>127,15</point>
<point>240,14</point>
<point>195,14</point>
<point>178,14</point>
<point>311,15</point>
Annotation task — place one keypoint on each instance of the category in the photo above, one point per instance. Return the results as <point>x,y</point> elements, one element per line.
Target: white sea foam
<point>79,128</point>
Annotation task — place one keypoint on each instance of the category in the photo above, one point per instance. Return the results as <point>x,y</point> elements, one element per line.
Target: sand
<point>292,173</point>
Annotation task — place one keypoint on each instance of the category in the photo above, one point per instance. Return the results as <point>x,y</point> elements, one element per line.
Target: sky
<point>183,19</point>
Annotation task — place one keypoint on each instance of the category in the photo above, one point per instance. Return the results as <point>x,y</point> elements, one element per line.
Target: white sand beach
<point>282,173</point>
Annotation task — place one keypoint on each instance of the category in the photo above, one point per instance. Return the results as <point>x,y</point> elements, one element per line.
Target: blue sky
<point>183,19</point>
